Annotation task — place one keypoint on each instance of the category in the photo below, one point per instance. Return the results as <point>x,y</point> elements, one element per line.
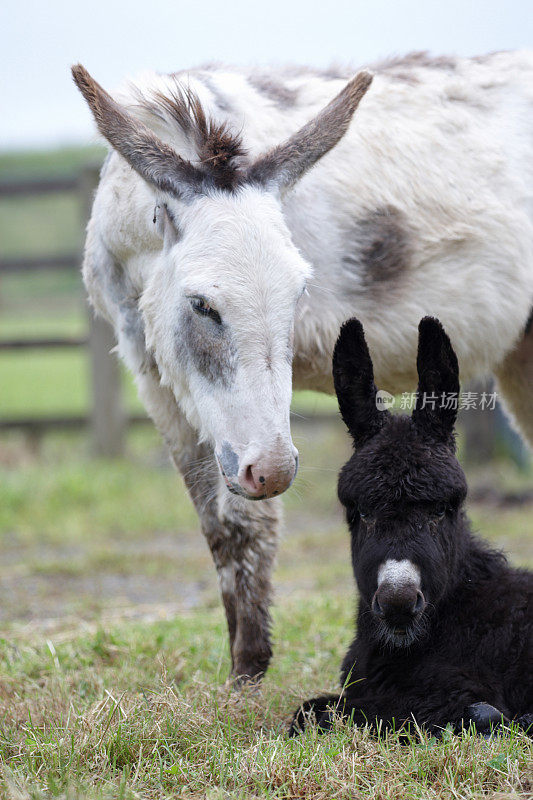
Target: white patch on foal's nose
<point>399,573</point>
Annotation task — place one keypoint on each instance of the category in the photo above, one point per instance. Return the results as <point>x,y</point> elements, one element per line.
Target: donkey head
<point>219,305</point>
<point>403,487</point>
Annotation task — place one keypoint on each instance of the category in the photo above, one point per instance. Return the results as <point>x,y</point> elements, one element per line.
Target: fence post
<point>107,413</point>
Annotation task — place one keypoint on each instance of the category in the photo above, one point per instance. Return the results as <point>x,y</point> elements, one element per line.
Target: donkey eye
<point>203,309</point>
<point>440,512</point>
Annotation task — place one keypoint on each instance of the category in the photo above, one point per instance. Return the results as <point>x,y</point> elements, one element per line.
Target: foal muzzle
<point>398,600</point>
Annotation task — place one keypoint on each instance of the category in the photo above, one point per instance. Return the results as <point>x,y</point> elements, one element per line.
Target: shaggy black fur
<point>462,652</point>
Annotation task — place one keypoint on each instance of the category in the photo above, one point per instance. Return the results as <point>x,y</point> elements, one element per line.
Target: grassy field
<point>114,653</point>
<point>113,646</point>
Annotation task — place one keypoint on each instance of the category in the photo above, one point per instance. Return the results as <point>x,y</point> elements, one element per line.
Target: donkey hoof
<point>241,682</point>
<point>249,675</point>
<point>485,717</point>
<point>319,711</point>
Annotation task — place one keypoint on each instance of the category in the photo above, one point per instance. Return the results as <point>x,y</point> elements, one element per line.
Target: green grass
<point>114,652</point>
<point>40,383</point>
<point>140,711</point>
<point>36,225</point>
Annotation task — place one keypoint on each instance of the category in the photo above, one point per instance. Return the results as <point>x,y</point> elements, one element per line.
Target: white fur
<point>398,573</point>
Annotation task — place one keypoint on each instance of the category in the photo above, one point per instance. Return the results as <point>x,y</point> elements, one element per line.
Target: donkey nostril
<point>420,603</point>
<point>249,477</point>
<point>376,608</point>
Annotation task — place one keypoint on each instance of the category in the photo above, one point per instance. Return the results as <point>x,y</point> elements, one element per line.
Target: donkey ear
<point>438,381</point>
<point>282,166</point>
<point>154,160</point>
<point>353,376</point>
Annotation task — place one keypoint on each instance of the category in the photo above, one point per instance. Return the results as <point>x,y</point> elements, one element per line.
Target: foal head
<point>403,487</point>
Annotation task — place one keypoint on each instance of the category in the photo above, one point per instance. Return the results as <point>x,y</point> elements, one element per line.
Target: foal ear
<point>282,166</point>
<point>438,380</point>
<point>353,376</point>
<point>154,160</point>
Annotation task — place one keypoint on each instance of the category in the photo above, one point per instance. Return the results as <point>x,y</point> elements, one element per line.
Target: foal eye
<point>440,512</point>
<point>203,309</point>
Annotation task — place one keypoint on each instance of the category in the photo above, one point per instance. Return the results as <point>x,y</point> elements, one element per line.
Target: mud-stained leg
<point>241,534</point>
<point>244,543</point>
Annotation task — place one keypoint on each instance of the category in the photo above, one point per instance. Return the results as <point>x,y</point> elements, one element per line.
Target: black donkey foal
<point>444,627</point>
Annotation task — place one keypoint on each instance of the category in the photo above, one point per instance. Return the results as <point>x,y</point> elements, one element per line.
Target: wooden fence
<point>107,419</point>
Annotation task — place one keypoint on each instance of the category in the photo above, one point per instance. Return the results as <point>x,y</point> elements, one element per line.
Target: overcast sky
<point>39,40</point>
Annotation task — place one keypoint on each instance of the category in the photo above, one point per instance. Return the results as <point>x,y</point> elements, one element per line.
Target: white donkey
<point>226,264</point>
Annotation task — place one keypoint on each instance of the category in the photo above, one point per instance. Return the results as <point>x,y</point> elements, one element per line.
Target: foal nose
<point>398,599</point>
<point>268,476</point>
<point>398,605</point>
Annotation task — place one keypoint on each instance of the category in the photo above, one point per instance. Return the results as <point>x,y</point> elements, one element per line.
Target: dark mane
<point>404,67</point>
<point>415,59</point>
<point>220,152</point>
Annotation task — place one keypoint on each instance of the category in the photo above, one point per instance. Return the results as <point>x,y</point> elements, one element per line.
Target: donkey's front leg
<point>242,536</point>
<point>244,548</point>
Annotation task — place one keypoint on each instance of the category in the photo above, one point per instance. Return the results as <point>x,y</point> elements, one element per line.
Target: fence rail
<point>19,188</point>
<point>32,344</point>
<point>40,425</point>
<point>40,263</point>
